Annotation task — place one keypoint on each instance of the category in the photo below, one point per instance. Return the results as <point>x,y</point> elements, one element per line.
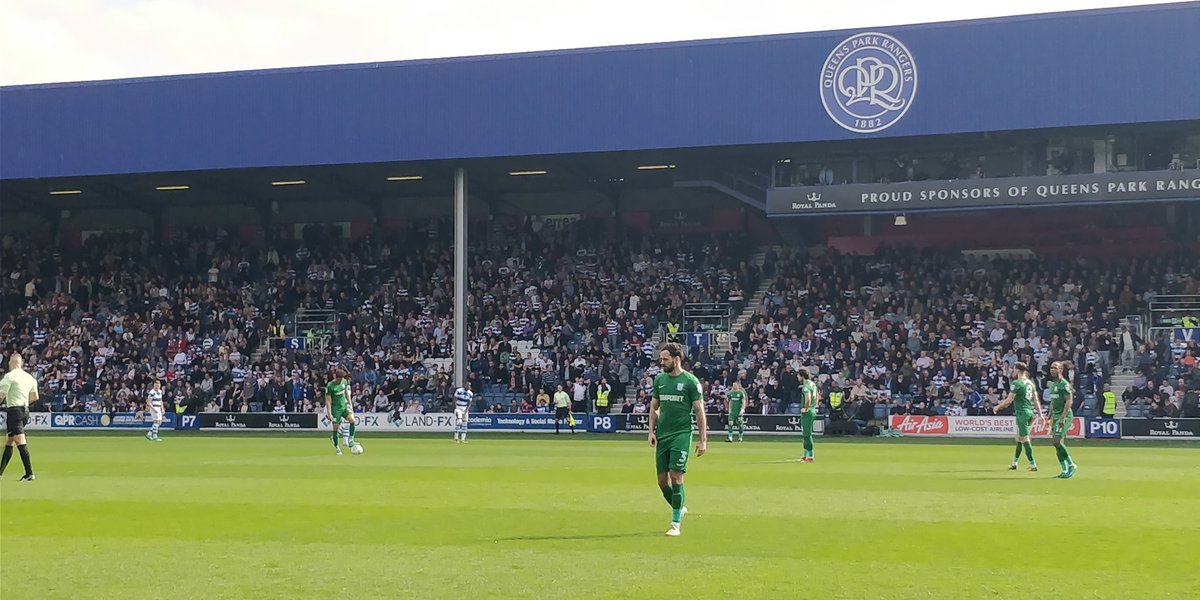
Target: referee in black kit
<point>16,390</point>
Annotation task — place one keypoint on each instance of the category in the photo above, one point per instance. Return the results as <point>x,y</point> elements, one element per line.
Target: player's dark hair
<point>1022,367</point>
<point>673,349</point>
<point>803,373</point>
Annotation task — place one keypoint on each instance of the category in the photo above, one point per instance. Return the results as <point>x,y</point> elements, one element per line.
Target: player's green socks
<point>677,503</point>
<point>729,430</point>
<point>741,428</point>
<point>668,492</point>
<point>1066,457</point>
<point>1017,453</point>
<point>1029,452</point>
<point>334,437</point>
<point>352,428</point>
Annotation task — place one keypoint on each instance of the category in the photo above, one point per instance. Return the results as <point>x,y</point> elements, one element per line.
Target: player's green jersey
<point>1060,392</point>
<point>737,399</point>
<point>338,393</point>
<point>1024,393</point>
<point>675,395</point>
<point>808,393</point>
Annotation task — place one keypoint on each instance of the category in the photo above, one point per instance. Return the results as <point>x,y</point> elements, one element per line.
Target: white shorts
<point>156,413</point>
<point>460,414</point>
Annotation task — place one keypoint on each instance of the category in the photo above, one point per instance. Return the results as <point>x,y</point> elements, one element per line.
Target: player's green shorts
<point>340,413</point>
<point>806,421</point>
<point>735,412</point>
<point>1061,426</point>
<point>671,454</point>
<point>1024,419</point>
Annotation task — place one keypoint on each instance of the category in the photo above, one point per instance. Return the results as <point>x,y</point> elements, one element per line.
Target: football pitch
<point>249,517</point>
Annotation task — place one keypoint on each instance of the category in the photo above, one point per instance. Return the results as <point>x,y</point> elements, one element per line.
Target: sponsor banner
<point>693,218</point>
<point>779,424</point>
<point>1104,428</point>
<point>187,421</point>
<point>406,422</point>
<point>602,423</point>
<point>520,422</point>
<point>279,421</point>
<point>770,424</point>
<point>1187,334</point>
<point>920,424</point>
<point>38,420</point>
<point>555,222</point>
<point>1090,188</point>
<point>1170,429</point>
<point>983,426</point>
<point>636,422</point>
<point>107,421</point>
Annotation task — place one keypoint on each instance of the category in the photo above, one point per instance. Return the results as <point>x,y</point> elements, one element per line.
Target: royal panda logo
<point>282,421</point>
<point>231,422</point>
<point>1172,428</point>
<point>868,82</point>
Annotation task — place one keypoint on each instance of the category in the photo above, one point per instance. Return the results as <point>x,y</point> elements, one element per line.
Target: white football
<point>357,449</point>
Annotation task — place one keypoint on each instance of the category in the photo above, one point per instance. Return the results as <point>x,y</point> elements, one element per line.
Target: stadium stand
<point>913,331</point>
<point>199,312</point>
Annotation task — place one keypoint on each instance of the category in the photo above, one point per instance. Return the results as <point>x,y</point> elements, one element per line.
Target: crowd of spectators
<point>937,332</point>
<point>569,305</point>
<point>902,332</point>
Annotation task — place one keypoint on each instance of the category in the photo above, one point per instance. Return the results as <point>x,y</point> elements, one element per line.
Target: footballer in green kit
<point>1027,409</point>
<point>808,412</point>
<point>1061,398</point>
<point>735,406</point>
<point>337,407</point>
<point>678,397</point>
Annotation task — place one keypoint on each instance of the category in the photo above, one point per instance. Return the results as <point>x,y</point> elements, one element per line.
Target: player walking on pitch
<point>337,407</point>
<point>735,405</point>
<point>462,412</point>
<point>1024,396</point>
<point>808,412</point>
<point>154,406</point>
<point>17,388</point>
<point>1061,417</point>
<point>678,396</point>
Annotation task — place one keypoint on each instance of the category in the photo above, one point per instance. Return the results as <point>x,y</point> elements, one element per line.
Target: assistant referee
<point>17,388</point>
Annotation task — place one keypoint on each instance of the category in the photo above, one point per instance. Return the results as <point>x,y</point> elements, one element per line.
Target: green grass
<point>234,516</point>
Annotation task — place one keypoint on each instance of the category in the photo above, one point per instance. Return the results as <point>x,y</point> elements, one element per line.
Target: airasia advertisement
<point>998,427</point>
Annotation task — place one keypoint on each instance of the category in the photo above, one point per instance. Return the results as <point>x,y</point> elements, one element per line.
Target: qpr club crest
<point>868,82</point>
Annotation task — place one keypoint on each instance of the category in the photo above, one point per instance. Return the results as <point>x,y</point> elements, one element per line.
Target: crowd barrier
<point>908,425</point>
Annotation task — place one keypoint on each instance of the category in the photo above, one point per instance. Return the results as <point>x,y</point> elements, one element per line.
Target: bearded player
<point>678,396</point>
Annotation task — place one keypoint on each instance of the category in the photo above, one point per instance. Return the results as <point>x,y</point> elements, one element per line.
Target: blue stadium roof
<point>1112,66</point>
